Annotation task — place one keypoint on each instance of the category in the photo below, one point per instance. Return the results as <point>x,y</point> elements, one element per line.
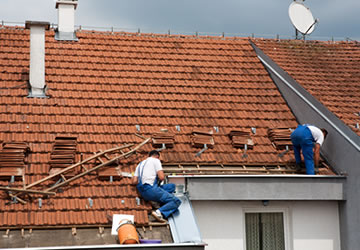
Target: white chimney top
<point>37,57</point>
<point>66,20</point>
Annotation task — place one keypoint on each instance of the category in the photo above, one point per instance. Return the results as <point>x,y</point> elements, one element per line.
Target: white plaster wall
<point>310,225</point>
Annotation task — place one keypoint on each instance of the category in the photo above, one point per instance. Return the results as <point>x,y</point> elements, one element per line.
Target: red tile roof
<point>105,84</point>
<point>328,70</point>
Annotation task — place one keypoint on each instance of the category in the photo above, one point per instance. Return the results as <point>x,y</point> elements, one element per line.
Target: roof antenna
<point>302,19</point>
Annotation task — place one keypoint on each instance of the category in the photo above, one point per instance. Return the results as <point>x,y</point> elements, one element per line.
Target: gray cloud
<point>338,18</point>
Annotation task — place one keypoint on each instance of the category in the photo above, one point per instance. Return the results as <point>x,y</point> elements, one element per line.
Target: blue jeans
<point>162,194</point>
<point>303,140</point>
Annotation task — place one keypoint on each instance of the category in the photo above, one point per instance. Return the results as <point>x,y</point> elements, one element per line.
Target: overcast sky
<point>339,19</point>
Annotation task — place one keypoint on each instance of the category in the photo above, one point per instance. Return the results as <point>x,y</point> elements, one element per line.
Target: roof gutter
<point>178,246</point>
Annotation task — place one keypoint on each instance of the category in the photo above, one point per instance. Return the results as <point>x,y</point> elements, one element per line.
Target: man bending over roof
<point>303,139</point>
<point>147,175</point>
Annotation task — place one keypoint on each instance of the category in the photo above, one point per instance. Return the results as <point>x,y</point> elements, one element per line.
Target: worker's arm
<point>316,154</point>
<point>161,175</point>
<point>134,180</point>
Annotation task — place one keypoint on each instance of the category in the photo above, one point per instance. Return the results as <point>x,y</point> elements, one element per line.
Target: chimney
<point>66,20</point>
<point>37,57</point>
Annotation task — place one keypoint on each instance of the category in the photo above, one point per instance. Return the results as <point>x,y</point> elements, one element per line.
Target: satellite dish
<point>301,18</point>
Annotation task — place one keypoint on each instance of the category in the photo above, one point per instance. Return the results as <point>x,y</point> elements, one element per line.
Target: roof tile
<point>328,70</point>
<point>117,82</point>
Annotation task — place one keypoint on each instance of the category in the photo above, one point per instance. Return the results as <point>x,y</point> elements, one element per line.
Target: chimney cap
<point>73,2</point>
<point>28,24</point>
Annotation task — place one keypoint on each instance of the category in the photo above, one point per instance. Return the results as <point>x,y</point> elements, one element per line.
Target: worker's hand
<point>134,180</point>
<point>161,175</point>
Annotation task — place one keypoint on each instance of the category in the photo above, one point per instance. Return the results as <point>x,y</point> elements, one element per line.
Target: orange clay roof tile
<point>328,70</point>
<point>105,84</point>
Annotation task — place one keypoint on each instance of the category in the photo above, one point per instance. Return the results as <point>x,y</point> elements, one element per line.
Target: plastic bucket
<point>127,233</point>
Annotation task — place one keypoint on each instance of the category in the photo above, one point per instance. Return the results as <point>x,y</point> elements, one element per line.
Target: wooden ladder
<point>104,158</point>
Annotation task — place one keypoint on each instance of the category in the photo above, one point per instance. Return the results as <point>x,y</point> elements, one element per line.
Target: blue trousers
<point>162,194</point>
<point>303,140</point>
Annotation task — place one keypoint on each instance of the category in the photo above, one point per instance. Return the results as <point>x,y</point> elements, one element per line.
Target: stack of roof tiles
<point>13,159</point>
<point>200,138</point>
<point>122,84</point>
<point>327,70</point>
<point>165,137</point>
<point>241,138</point>
<point>63,154</point>
<point>280,137</point>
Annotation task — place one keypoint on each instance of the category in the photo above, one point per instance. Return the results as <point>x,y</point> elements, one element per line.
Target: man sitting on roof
<point>147,175</point>
<point>303,138</point>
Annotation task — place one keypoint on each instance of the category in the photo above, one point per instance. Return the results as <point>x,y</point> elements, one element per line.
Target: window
<point>264,231</point>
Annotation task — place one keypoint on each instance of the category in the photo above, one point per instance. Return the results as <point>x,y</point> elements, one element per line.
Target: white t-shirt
<point>149,169</point>
<point>317,134</point>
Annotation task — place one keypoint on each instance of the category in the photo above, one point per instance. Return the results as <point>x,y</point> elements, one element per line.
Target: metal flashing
<point>179,246</point>
<point>183,224</point>
<point>268,188</point>
<point>40,93</point>
<point>65,36</point>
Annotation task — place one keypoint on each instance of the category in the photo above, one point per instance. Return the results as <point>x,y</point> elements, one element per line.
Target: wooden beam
<point>26,191</point>
<point>248,164</point>
<point>225,169</point>
<point>158,223</point>
<point>142,137</point>
<point>18,199</point>
<point>100,160</point>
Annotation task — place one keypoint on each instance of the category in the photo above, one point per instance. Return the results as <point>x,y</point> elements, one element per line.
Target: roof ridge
<point>308,42</point>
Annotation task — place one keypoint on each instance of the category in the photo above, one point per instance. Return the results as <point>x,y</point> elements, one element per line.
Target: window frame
<point>266,209</point>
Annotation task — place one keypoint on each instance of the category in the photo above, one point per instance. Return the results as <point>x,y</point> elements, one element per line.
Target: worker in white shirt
<point>303,139</point>
<point>147,175</point>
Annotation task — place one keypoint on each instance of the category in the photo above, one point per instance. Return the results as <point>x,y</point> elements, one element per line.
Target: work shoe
<point>158,216</point>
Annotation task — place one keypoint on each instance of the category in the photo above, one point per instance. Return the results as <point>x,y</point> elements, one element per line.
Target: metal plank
<point>183,223</point>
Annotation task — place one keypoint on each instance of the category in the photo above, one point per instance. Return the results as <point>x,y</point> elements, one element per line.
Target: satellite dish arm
<point>316,20</point>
